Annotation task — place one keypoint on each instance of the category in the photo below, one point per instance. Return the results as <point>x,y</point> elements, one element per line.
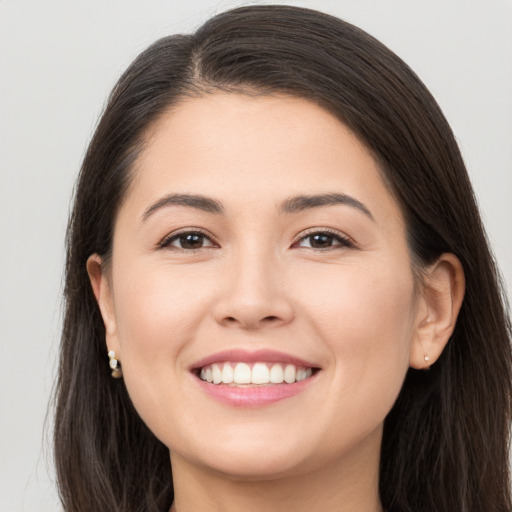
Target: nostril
<point>270,318</point>
<point>250,320</point>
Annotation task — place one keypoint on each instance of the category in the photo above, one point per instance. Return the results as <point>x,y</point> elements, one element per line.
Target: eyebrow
<point>199,202</point>
<point>301,203</point>
<point>292,205</point>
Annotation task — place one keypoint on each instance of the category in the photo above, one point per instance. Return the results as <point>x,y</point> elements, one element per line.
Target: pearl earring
<point>117,373</point>
<point>427,359</point>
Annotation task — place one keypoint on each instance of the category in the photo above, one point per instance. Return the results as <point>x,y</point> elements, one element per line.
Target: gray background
<point>58,61</point>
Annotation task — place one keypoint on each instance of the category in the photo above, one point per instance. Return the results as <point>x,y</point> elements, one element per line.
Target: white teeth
<point>259,373</point>
<point>289,373</point>
<point>303,373</point>
<point>216,374</point>
<point>276,374</point>
<point>227,374</point>
<point>243,374</point>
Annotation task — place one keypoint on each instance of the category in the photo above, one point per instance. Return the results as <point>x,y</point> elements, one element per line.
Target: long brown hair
<point>445,445</point>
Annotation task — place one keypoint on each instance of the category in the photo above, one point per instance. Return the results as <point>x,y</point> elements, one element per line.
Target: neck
<point>350,485</point>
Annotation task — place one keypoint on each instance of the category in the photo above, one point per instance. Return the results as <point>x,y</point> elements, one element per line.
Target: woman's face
<point>258,243</point>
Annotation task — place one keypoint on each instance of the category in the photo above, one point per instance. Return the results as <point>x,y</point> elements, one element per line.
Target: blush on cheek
<point>156,307</point>
<point>369,322</point>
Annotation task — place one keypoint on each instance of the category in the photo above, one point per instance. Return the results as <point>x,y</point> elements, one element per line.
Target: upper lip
<point>246,356</point>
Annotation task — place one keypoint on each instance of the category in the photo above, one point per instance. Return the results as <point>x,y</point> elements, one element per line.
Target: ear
<point>438,308</point>
<point>102,289</point>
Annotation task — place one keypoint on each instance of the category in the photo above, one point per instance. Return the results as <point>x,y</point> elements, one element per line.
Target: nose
<point>253,294</point>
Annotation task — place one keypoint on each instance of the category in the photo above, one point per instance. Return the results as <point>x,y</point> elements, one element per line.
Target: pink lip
<point>254,396</point>
<point>245,356</point>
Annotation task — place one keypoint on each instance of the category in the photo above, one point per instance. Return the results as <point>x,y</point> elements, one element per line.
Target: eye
<point>187,241</point>
<point>323,240</point>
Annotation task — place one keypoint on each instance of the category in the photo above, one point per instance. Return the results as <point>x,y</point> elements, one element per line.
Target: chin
<point>247,456</point>
<point>265,466</point>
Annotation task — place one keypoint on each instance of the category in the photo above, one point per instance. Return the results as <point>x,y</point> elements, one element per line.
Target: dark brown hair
<point>445,445</point>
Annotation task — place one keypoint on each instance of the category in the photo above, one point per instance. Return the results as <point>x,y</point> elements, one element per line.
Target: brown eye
<point>188,241</point>
<point>324,240</point>
<point>321,241</point>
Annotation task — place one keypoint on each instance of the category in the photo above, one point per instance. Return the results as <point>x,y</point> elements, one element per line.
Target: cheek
<point>365,315</point>
<point>365,320</point>
<point>157,314</point>
<point>372,300</point>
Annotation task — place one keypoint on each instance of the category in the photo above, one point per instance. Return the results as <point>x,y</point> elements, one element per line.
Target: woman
<point>275,241</point>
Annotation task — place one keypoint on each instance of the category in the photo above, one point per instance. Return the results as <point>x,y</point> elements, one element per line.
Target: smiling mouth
<point>242,374</point>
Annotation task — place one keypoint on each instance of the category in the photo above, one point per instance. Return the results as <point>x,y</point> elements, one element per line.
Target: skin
<point>355,310</point>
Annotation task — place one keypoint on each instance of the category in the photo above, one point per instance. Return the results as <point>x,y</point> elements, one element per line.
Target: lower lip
<point>253,396</point>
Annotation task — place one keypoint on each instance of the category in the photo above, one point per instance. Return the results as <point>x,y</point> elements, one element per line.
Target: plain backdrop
<point>58,61</point>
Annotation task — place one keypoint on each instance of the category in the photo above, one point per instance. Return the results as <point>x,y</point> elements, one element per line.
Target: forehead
<point>232,146</point>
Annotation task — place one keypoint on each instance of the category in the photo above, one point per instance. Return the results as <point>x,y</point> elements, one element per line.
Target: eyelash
<point>343,241</point>
<point>169,239</point>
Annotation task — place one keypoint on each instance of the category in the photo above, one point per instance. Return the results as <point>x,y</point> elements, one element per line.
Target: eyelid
<point>183,231</point>
<point>346,240</point>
